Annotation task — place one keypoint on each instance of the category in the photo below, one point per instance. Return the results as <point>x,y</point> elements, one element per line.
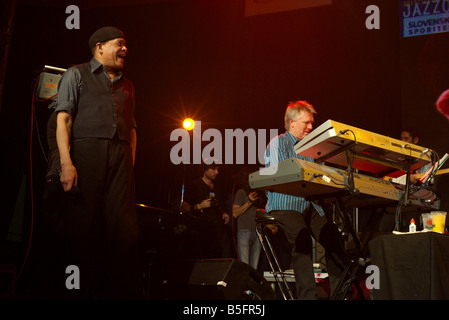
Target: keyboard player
<point>301,219</point>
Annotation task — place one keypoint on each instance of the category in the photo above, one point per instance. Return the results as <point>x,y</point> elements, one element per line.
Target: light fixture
<point>188,124</point>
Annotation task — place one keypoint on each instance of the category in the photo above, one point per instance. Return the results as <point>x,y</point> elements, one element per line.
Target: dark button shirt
<point>101,107</point>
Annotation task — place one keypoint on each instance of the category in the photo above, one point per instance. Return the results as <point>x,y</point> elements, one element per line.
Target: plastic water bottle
<point>412,226</point>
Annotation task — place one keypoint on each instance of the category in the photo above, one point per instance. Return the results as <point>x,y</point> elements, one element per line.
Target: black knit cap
<point>104,34</point>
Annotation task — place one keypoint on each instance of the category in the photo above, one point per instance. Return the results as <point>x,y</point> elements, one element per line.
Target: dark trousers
<point>217,240</point>
<point>299,228</point>
<point>102,226</point>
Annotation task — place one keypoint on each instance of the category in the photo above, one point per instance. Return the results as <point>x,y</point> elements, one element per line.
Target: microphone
<point>212,198</point>
<point>75,191</point>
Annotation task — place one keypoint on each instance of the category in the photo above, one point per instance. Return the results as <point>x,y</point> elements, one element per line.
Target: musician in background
<point>301,219</point>
<point>410,135</point>
<point>203,199</point>
<point>246,202</point>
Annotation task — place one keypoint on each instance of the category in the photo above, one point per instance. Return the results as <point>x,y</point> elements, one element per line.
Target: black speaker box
<point>216,279</point>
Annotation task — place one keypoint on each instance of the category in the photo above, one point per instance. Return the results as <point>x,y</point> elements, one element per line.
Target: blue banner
<point>424,17</point>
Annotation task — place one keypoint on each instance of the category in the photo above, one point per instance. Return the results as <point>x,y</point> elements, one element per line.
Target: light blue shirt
<point>279,149</point>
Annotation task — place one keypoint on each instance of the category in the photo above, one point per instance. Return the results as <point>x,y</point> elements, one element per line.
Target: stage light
<point>188,124</point>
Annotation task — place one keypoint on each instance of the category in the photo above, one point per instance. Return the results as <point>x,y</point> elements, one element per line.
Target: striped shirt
<point>279,149</point>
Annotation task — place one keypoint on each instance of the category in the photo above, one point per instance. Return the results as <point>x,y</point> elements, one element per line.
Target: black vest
<point>104,107</point>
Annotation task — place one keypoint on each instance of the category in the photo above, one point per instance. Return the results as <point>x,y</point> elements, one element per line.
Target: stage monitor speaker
<point>216,279</point>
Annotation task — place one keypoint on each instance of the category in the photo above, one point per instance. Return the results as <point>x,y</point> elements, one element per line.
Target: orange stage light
<point>188,124</point>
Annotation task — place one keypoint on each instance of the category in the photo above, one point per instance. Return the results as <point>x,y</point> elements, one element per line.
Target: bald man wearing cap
<point>96,137</point>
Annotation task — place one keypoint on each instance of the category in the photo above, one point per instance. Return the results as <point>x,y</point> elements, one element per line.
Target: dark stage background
<point>205,59</point>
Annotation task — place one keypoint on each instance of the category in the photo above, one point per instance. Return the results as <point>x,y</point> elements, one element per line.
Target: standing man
<point>246,202</point>
<point>96,137</point>
<point>204,200</point>
<point>301,219</point>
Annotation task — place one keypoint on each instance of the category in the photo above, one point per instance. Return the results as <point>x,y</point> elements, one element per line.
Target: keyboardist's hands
<point>414,178</point>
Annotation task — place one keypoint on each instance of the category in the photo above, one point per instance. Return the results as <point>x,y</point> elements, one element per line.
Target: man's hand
<point>205,204</point>
<point>225,218</point>
<point>253,196</point>
<point>414,178</point>
<point>69,177</point>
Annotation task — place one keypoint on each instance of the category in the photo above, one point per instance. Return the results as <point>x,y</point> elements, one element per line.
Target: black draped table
<point>411,266</point>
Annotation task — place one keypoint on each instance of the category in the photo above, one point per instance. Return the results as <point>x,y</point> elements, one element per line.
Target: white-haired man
<point>301,219</point>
